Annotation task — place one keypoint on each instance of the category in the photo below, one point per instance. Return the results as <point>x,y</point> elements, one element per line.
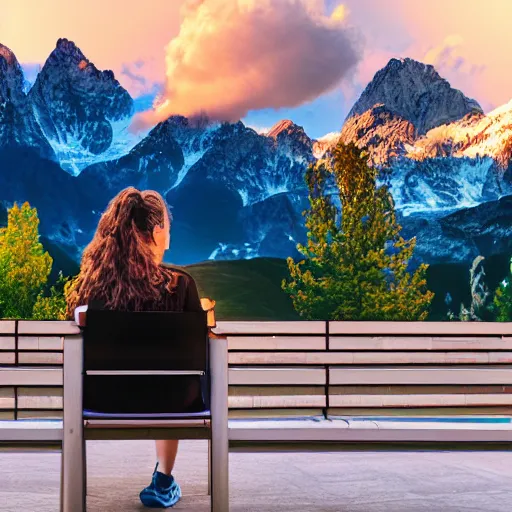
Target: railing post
<point>219,409</point>
<point>73,495</point>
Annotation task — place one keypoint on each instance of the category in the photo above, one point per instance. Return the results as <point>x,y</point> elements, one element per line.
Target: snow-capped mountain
<point>83,112</point>
<point>474,136</point>
<point>237,193</point>
<point>18,127</point>
<point>415,92</point>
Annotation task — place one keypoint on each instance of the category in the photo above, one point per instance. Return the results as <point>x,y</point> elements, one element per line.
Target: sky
<point>265,60</point>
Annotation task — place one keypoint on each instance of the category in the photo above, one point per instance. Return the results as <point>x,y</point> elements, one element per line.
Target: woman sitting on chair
<point>122,269</point>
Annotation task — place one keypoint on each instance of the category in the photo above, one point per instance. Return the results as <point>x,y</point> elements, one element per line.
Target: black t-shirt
<point>184,297</point>
<point>186,294</point>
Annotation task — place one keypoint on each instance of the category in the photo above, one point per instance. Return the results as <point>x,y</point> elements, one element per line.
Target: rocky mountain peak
<point>76,104</point>
<point>66,50</point>
<point>292,136</point>
<point>284,125</point>
<point>18,126</point>
<point>8,56</point>
<point>11,77</point>
<point>417,93</point>
<point>383,132</point>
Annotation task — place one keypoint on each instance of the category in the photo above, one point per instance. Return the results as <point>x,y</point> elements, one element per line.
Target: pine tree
<point>503,299</point>
<point>355,264</point>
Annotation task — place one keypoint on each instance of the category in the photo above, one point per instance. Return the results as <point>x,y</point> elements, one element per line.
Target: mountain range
<point>66,147</point>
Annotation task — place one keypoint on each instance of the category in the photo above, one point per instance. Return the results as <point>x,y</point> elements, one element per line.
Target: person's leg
<point>166,451</point>
<point>163,491</point>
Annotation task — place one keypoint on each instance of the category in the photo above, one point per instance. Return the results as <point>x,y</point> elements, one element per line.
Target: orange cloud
<point>232,56</point>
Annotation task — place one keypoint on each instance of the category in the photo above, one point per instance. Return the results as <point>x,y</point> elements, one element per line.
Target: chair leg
<point>209,467</point>
<point>219,425</point>
<point>61,502</point>
<point>84,469</point>
<point>73,432</point>
<point>72,472</point>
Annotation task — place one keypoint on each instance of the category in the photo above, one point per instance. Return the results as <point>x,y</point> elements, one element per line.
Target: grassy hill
<point>245,289</point>
<point>251,289</point>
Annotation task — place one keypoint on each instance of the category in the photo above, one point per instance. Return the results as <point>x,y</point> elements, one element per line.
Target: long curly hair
<point>118,267</point>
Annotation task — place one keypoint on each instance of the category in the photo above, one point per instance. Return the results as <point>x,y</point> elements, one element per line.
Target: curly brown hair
<point>118,267</point>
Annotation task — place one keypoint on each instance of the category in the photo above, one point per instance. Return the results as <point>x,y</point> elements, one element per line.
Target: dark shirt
<point>187,296</point>
<point>184,297</point>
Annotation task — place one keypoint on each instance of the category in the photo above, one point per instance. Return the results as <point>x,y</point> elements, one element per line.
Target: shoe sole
<point>154,502</point>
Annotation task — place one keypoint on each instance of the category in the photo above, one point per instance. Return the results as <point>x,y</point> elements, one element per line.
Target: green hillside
<point>245,289</point>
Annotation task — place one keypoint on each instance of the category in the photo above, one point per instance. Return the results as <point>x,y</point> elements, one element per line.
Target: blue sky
<point>468,44</point>
<point>323,115</point>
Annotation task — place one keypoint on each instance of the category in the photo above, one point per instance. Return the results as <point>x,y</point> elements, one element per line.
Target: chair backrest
<point>145,363</point>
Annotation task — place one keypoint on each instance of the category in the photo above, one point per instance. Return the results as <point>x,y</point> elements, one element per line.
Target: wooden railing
<point>305,368</point>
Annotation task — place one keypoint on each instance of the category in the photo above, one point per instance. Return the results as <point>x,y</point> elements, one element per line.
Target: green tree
<point>52,307</point>
<point>355,261</point>
<point>24,265</point>
<point>503,299</point>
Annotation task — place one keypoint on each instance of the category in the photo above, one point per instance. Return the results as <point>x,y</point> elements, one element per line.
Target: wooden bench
<point>31,381</point>
<point>343,380</point>
<point>347,380</point>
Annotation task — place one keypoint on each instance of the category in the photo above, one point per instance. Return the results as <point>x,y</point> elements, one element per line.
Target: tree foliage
<point>355,264</point>
<point>503,299</point>
<point>24,264</point>
<point>52,306</point>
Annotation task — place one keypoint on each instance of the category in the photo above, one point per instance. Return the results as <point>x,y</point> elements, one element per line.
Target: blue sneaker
<point>162,492</point>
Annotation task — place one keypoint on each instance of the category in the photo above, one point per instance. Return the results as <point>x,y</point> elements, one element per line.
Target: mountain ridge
<point>237,193</point>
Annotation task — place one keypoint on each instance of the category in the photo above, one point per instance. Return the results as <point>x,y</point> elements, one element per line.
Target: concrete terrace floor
<point>351,481</point>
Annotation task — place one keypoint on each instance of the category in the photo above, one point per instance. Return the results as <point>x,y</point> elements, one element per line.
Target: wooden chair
<point>144,376</point>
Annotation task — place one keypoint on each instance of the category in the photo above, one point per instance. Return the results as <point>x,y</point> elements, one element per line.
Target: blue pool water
<point>439,420</point>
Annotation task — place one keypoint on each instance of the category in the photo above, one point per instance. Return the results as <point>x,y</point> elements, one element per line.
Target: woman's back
<point>122,267</point>
<point>184,295</point>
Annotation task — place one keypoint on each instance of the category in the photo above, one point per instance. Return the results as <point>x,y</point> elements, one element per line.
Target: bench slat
<point>419,400</point>
<point>38,431</point>
<point>7,399</point>
<point>422,328</point>
<point>386,376</point>
<point>48,328</point>
<point>7,327</point>
<point>362,358</point>
<point>7,342</point>
<point>278,343</point>
<point>360,343</point>
<point>40,342</point>
<point>7,358</point>
<point>281,400</point>
<point>40,398</point>
<point>271,328</point>
<point>42,358</point>
<point>283,376</point>
<point>30,376</point>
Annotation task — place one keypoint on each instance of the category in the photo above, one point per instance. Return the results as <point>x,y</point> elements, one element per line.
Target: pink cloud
<point>233,56</point>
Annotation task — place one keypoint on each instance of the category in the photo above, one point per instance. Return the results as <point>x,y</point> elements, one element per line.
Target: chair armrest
<point>80,315</point>
<point>208,305</point>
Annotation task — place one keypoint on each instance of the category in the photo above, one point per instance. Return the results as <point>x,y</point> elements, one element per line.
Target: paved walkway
<point>268,482</point>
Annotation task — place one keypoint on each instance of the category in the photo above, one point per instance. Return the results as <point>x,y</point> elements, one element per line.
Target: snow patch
<point>74,158</point>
